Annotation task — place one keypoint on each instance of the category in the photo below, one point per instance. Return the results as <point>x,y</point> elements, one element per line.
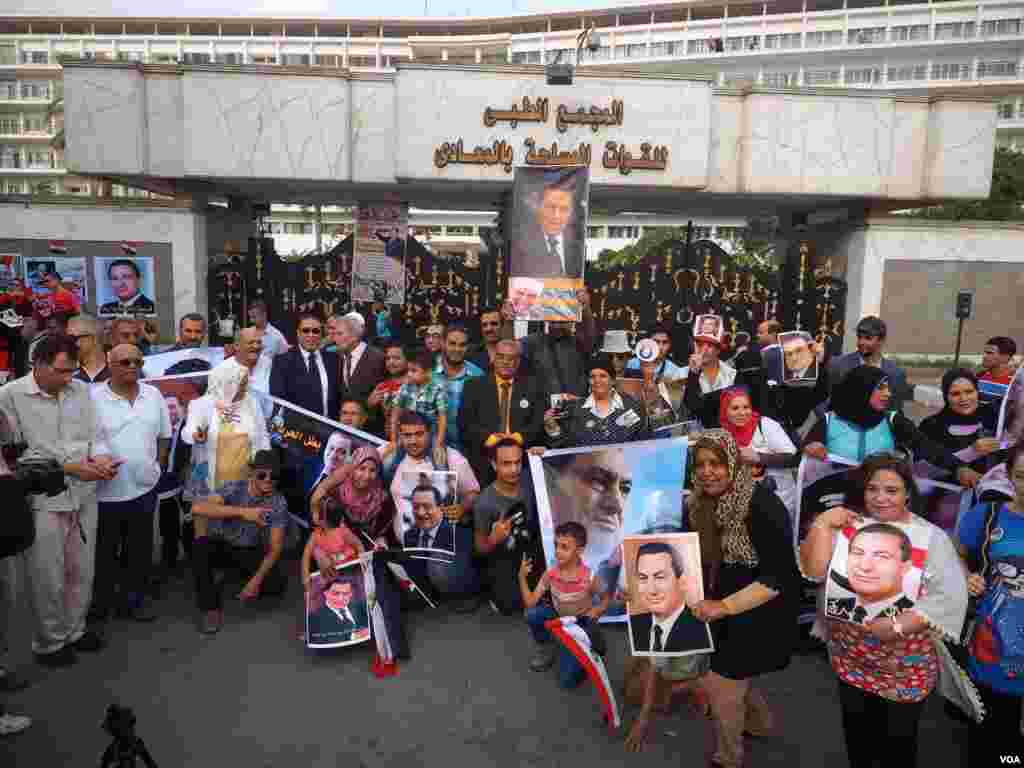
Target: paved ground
<point>252,696</point>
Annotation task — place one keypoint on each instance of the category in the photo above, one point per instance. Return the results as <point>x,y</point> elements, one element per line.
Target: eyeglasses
<point>263,475</point>
<point>131,362</point>
<point>311,331</point>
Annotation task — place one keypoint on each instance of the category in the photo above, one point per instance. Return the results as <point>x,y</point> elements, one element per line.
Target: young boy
<point>572,588</point>
<point>424,396</point>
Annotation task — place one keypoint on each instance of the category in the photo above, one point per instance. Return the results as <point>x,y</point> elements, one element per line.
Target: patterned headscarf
<point>732,508</point>
<point>363,508</point>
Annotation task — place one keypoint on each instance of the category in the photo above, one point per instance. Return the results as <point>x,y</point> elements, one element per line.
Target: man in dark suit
<point>432,529</point>
<point>871,332</point>
<point>500,402</point>
<point>307,376</point>
<point>339,617</point>
<point>483,353</point>
<point>667,627</point>
<point>548,240</point>
<point>771,351</point>
<point>361,367</point>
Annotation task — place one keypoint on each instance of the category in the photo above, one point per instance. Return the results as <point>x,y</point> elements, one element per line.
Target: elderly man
<point>135,424</point>
<point>238,518</point>
<point>54,416</point>
<point>191,332</point>
<point>362,366</point>
<point>92,359</point>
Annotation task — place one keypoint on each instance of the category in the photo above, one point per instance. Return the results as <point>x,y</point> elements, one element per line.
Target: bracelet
<point>897,628</point>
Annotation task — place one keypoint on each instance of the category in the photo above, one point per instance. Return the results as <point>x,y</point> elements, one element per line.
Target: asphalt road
<point>252,696</point>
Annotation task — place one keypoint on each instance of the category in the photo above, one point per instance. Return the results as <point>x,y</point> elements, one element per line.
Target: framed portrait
<point>612,491</point>
<point>799,358</point>
<point>876,570</point>
<point>125,285</point>
<point>420,523</point>
<point>58,283</point>
<point>708,327</point>
<point>337,612</point>
<point>664,583</point>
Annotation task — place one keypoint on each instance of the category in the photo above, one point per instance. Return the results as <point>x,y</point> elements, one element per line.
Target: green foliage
<point>1004,202</point>
<point>753,249</point>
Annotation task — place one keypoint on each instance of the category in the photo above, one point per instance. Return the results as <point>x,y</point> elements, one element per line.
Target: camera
<point>40,475</point>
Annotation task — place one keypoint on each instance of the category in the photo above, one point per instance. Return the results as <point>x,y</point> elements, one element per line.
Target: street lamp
<point>558,73</point>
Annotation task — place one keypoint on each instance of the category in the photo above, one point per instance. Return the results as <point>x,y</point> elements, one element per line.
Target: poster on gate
<point>378,261</point>
<point>548,251</point>
<point>612,491</point>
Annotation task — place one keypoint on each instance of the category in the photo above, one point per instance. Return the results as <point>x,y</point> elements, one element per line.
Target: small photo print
<point>337,613</point>
<point>422,525</point>
<point>799,357</point>
<point>876,570</point>
<point>58,283</point>
<point>125,285</point>
<point>664,582</point>
<point>708,327</point>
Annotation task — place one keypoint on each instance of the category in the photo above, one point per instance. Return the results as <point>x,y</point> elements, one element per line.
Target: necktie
<point>348,616</point>
<point>553,247</point>
<point>425,539</point>
<point>505,389</point>
<point>348,367</point>
<point>657,639</point>
<point>315,385</point>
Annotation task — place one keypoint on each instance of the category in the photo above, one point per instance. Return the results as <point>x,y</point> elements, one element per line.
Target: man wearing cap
<point>871,333</point>
<point>706,371</point>
<point>245,526</point>
<point>548,242</point>
<point>665,370</point>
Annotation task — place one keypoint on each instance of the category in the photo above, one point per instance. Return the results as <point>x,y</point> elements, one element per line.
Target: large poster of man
<point>612,491</point>
<point>378,262</point>
<point>337,613</point>
<point>876,570</point>
<point>664,583</point>
<point>548,251</point>
<point>57,284</point>
<point>125,285</point>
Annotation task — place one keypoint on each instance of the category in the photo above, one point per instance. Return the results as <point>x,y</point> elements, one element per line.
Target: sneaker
<point>65,657</point>
<point>90,642</point>
<point>12,681</point>
<point>543,658</point>
<point>212,622</point>
<point>12,724</point>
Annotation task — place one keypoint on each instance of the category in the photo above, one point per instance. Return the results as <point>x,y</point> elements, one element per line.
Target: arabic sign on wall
<point>624,130</point>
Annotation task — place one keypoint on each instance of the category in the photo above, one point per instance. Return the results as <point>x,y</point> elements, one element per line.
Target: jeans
<point>570,673</point>
<point>124,550</point>
<point>457,578</point>
<point>879,733</point>
<point>208,554</point>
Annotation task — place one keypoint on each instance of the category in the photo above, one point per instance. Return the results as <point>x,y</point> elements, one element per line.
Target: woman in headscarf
<point>606,416</point>
<point>229,422</point>
<point>752,587</point>
<point>369,511</point>
<point>859,425</point>
<point>965,426</point>
<point>763,444</point>
<point>888,665</point>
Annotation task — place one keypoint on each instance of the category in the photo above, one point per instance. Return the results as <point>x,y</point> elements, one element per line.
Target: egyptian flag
<point>585,646</point>
<point>384,664</point>
<point>58,246</point>
<point>405,582</point>
<point>130,248</point>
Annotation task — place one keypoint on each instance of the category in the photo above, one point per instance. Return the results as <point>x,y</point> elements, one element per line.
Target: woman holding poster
<point>753,586</point>
<point>881,639</point>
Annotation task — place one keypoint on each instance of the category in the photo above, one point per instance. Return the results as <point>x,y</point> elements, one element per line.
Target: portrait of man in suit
<point>430,529</point>
<point>124,278</point>
<point>342,618</point>
<point>663,591</point>
<point>549,225</point>
<point>799,357</point>
<point>878,561</point>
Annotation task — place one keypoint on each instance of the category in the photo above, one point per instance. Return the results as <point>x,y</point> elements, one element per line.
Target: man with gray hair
<point>362,366</point>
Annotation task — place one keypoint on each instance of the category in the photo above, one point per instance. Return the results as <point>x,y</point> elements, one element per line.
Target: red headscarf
<point>742,435</point>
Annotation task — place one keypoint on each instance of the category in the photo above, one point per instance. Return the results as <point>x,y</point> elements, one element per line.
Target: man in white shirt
<point>133,421</point>
<point>274,344</point>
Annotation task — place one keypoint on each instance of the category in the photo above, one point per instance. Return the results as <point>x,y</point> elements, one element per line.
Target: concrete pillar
<point>318,228</point>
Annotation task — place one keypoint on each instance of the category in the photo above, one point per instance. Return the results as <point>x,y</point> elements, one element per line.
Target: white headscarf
<point>224,384</point>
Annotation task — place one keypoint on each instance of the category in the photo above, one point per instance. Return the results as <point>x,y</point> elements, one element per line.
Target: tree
<point>754,247</point>
<point>1003,204</point>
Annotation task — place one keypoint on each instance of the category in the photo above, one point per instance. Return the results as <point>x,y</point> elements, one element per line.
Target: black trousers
<point>175,535</point>
<point>879,733</point>
<point>124,551</point>
<point>209,554</point>
<point>999,733</point>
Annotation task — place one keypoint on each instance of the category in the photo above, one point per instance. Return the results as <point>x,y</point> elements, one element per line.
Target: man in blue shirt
<point>453,371</point>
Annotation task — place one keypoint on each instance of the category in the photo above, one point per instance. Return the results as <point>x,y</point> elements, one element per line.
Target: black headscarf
<point>851,398</point>
<point>951,429</point>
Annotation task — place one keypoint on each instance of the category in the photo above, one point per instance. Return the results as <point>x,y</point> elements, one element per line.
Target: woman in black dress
<point>752,585</point>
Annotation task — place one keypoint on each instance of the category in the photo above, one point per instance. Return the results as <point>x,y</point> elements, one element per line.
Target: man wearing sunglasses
<point>134,423</point>
<point>246,525</point>
<point>307,376</point>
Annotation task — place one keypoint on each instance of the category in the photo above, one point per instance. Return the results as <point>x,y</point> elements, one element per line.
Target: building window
<point>867,36</point>
<point>568,55</point>
<point>1000,27</point>
<point>38,158</point>
<point>745,43</point>
<point>698,47</point>
<point>994,69</point>
<point>131,56</point>
<point>263,59</point>
<point>623,232</point>
<point>736,78</point>
<point>362,61</point>
<point>668,48</point>
<point>33,90</point>
<point>821,77</point>
<point>228,58</point>
<point>781,79</point>
<point>959,70</point>
<point>35,57</point>
<point>295,59</point>
<point>595,232</point>
<point>729,233</point>
<point>8,56</point>
<point>908,72</point>
<point>954,30</point>
<point>9,126</point>
<point>197,58</point>
<point>9,157</point>
<point>863,76</point>
<point>824,39</point>
<point>786,41</point>
<point>12,187</point>
<point>701,233</point>
<point>37,124</point>
<point>908,33</point>
<point>1006,111</point>
<point>458,230</point>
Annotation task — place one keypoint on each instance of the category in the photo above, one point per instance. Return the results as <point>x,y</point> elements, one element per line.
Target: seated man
<point>229,531</point>
<point>505,523</point>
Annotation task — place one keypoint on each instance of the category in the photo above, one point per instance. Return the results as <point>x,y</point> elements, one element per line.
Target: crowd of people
<point>476,401</point>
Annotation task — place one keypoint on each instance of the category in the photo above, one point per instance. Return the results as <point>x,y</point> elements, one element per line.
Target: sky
<point>167,8</point>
